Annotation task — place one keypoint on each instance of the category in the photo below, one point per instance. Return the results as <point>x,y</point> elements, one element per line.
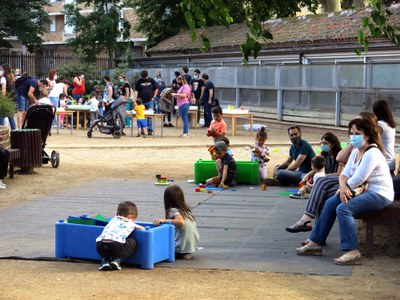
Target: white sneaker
<point>2,186</point>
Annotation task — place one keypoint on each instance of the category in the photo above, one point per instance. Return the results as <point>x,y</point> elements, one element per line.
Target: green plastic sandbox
<point>247,171</point>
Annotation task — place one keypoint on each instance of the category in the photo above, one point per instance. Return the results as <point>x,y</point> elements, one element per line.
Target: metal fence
<point>39,65</point>
<point>323,94</point>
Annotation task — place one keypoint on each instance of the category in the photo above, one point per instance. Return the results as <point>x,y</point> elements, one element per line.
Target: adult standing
<point>366,164</point>
<point>54,95</point>
<point>4,159</point>
<point>51,78</point>
<point>183,96</point>
<point>298,163</point>
<point>25,87</point>
<point>166,106</point>
<point>125,91</point>
<point>185,72</point>
<point>108,93</point>
<point>79,86</point>
<point>146,89</point>
<point>196,85</point>
<point>387,129</point>
<point>207,96</point>
<point>7,87</point>
<point>160,87</point>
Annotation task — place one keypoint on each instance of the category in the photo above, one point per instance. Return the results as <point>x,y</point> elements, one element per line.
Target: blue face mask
<point>195,76</point>
<point>325,148</point>
<point>357,140</point>
<point>121,80</point>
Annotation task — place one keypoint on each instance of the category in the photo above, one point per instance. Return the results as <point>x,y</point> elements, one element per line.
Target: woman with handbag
<point>366,164</point>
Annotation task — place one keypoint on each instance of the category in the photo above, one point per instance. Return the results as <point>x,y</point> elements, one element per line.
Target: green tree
<point>101,30</point>
<point>377,25</point>
<point>25,20</point>
<point>162,19</point>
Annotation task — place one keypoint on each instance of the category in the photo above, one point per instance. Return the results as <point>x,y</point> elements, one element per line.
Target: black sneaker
<point>170,125</point>
<point>166,125</point>
<point>105,265</point>
<point>296,196</point>
<point>123,133</point>
<point>116,264</point>
<point>150,132</point>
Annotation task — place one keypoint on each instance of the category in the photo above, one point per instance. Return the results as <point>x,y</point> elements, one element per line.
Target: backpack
<point>115,94</point>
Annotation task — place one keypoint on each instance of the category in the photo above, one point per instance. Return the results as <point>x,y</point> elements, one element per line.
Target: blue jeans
<point>207,114</point>
<point>56,102</point>
<point>365,203</point>
<point>184,114</point>
<point>287,177</point>
<point>76,97</point>
<point>149,106</point>
<point>10,120</point>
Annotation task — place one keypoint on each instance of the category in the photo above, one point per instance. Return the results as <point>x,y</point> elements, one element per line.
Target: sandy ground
<point>84,159</point>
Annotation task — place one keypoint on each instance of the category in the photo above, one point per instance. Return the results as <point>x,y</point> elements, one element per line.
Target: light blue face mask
<point>121,80</point>
<point>325,148</point>
<point>357,140</point>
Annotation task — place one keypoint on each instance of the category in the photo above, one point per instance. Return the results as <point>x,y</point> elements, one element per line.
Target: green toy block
<point>247,171</point>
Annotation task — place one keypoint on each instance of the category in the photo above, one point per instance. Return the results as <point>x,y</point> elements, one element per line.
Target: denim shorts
<point>22,103</point>
<point>141,123</point>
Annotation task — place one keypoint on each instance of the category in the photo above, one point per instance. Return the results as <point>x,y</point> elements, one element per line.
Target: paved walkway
<point>241,229</point>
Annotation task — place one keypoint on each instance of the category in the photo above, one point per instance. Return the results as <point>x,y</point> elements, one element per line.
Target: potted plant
<point>7,107</point>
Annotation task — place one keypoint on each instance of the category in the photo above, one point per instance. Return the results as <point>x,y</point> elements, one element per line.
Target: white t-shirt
<point>45,100</point>
<point>371,168</point>
<point>388,136</point>
<point>57,89</point>
<point>317,176</point>
<point>94,104</point>
<point>117,230</point>
<point>2,81</point>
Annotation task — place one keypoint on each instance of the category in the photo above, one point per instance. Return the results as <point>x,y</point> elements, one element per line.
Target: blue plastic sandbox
<point>155,244</point>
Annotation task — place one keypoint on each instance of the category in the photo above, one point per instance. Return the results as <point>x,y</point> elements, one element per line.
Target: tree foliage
<point>25,20</point>
<point>377,25</point>
<point>162,19</point>
<point>100,30</point>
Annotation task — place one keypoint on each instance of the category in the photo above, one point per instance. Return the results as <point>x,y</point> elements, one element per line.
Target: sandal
<point>299,227</point>
<point>348,259</point>
<point>309,250</point>
<point>305,242</point>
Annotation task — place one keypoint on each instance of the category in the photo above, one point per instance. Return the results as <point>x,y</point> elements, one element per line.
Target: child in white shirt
<point>115,241</point>
<point>317,166</point>
<point>94,107</point>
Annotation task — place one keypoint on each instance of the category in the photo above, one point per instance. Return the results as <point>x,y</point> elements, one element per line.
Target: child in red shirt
<point>217,129</point>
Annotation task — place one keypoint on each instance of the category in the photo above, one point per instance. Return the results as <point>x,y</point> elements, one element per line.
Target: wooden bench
<point>390,217</point>
<point>14,155</point>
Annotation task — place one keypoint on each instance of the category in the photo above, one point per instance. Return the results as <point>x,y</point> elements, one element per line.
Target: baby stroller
<point>40,117</point>
<point>113,121</point>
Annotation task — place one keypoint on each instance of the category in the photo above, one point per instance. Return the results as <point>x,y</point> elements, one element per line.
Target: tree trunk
<point>330,5</point>
<point>360,3</point>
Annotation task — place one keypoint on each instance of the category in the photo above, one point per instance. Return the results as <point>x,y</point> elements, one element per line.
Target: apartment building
<point>58,32</point>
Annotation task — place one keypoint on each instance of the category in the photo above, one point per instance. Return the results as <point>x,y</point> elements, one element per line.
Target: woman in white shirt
<point>388,130</point>
<point>366,164</point>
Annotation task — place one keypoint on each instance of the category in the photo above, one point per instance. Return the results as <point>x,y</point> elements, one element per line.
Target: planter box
<point>155,244</point>
<point>247,171</point>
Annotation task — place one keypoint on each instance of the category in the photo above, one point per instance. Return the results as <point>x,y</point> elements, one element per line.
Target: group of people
<point>183,92</point>
<point>116,242</point>
<point>340,183</point>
